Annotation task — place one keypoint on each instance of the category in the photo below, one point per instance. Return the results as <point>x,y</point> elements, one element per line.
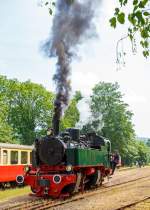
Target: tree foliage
<point>112,119</point>
<point>139,20</point>
<point>148,143</point>
<point>6,131</point>
<point>29,108</point>
<point>109,111</point>
<point>136,151</point>
<point>26,111</point>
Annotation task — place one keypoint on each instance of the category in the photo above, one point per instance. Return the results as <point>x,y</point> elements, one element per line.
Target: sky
<point>24,26</point>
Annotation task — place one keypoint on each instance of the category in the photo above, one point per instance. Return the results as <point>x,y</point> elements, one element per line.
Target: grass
<point>10,193</point>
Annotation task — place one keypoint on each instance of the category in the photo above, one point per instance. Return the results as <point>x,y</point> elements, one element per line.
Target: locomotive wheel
<point>3,185</point>
<point>69,189</point>
<point>13,184</point>
<point>94,180</point>
<point>33,190</point>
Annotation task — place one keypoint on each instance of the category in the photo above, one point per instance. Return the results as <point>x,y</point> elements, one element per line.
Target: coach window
<point>14,157</point>
<point>5,157</point>
<point>24,157</point>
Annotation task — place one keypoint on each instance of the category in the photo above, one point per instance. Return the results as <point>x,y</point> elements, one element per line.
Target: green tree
<point>29,108</point>
<point>72,114</point>
<point>143,152</point>
<point>136,151</point>
<point>109,110</point>
<point>130,154</point>
<point>148,142</point>
<point>6,131</point>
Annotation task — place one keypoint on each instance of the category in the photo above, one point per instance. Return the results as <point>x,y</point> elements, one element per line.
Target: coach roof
<point>15,146</point>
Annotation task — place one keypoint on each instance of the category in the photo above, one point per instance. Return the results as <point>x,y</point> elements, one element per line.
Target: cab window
<point>24,157</point>
<point>14,157</point>
<point>5,157</point>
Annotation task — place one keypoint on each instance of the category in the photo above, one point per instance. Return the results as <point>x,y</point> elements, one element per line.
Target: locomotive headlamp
<point>69,168</point>
<point>26,169</point>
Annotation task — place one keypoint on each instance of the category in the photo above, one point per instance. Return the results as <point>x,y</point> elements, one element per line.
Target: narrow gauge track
<point>10,187</point>
<point>132,204</point>
<point>47,203</point>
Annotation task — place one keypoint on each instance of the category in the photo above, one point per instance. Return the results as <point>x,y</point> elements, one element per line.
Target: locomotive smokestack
<point>72,24</point>
<point>56,116</point>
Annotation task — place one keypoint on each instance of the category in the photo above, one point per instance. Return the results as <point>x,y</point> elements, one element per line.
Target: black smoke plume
<point>72,25</point>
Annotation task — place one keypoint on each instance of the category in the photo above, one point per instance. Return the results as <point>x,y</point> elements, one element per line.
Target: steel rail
<point>133,203</point>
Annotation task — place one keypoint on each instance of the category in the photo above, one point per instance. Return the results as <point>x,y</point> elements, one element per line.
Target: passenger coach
<point>13,158</point>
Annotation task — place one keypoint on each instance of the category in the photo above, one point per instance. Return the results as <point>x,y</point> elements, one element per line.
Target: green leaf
<point>125,2</point>
<point>113,22</point>
<point>146,53</point>
<point>131,37</point>
<point>53,3</point>
<point>146,13</point>
<point>142,43</point>
<point>146,44</point>
<point>144,33</point>
<point>121,2</point>
<point>135,8</point>
<point>46,3</point>
<point>132,19</point>
<point>144,2</point>
<point>116,11</point>
<point>50,11</point>
<point>130,30</point>
<point>140,18</point>
<point>121,18</point>
<point>135,29</point>
<point>135,2</point>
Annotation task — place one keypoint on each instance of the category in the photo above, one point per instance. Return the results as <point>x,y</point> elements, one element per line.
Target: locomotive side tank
<point>68,163</point>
